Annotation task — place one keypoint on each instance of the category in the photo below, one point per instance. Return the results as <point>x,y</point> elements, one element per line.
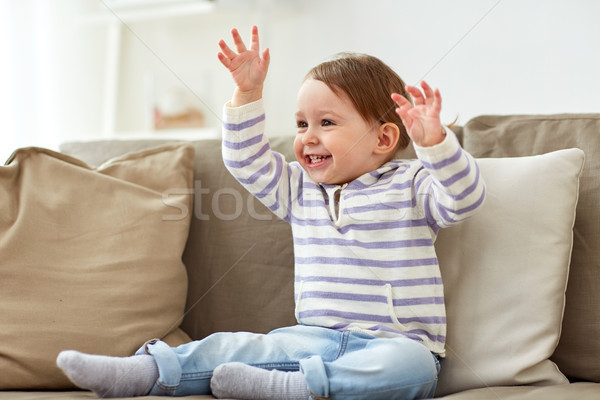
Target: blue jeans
<point>336,365</point>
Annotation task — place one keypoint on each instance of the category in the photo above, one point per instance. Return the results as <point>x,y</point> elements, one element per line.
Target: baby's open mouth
<point>313,159</point>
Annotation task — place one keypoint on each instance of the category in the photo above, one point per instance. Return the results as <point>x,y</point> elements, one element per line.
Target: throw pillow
<point>505,273</point>
<point>90,259</point>
<point>578,351</point>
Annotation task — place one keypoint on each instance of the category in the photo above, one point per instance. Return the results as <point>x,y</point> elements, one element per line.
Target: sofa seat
<point>578,391</point>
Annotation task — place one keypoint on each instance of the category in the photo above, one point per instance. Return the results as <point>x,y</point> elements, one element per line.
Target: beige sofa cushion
<point>90,259</point>
<point>578,352</point>
<point>505,273</point>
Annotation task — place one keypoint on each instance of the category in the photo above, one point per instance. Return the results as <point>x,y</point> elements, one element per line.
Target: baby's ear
<point>388,135</point>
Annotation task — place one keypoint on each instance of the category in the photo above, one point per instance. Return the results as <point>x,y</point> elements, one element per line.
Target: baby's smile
<point>315,160</point>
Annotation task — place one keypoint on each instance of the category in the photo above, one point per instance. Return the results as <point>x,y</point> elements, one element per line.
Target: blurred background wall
<point>88,69</point>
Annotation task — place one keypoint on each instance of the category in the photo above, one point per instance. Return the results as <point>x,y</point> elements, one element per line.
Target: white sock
<point>241,381</point>
<point>110,376</point>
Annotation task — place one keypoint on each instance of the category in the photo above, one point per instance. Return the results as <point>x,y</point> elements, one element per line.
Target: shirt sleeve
<point>449,186</point>
<point>248,156</point>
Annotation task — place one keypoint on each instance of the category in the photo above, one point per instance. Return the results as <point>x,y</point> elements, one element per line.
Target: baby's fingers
<point>399,99</point>
<point>427,90</point>
<point>224,60</point>
<point>437,101</point>
<point>403,104</point>
<point>403,107</point>
<point>266,55</point>
<point>255,45</point>
<point>237,40</point>
<point>227,52</point>
<point>428,96</point>
<point>432,97</point>
<point>417,95</point>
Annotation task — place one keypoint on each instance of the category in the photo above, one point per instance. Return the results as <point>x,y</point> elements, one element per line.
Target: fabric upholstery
<point>505,272</point>
<point>239,256</point>
<point>576,391</point>
<point>90,258</point>
<point>578,351</point>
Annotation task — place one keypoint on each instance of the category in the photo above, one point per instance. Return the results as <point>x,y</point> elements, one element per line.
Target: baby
<point>368,289</point>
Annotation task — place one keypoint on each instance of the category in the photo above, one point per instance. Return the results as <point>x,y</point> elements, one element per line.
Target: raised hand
<point>248,69</point>
<point>422,120</point>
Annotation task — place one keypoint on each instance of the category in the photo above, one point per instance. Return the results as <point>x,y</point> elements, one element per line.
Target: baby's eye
<point>326,122</point>
<point>301,124</point>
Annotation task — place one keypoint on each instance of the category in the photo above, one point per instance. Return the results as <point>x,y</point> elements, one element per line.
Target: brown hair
<point>368,82</point>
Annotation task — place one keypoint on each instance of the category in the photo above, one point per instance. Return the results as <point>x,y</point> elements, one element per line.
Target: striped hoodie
<point>364,254</point>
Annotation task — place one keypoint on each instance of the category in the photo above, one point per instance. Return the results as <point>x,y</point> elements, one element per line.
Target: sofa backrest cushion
<point>239,256</point>
<point>90,259</point>
<point>578,352</point>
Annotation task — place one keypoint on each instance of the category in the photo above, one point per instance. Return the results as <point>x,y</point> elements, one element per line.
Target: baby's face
<point>334,144</point>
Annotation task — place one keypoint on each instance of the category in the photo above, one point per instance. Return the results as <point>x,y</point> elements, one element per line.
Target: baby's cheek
<point>298,151</point>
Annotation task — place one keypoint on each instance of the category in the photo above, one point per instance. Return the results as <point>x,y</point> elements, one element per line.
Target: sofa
<point>107,244</point>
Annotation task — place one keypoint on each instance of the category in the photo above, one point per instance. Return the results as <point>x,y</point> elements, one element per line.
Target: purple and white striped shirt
<point>365,262</point>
